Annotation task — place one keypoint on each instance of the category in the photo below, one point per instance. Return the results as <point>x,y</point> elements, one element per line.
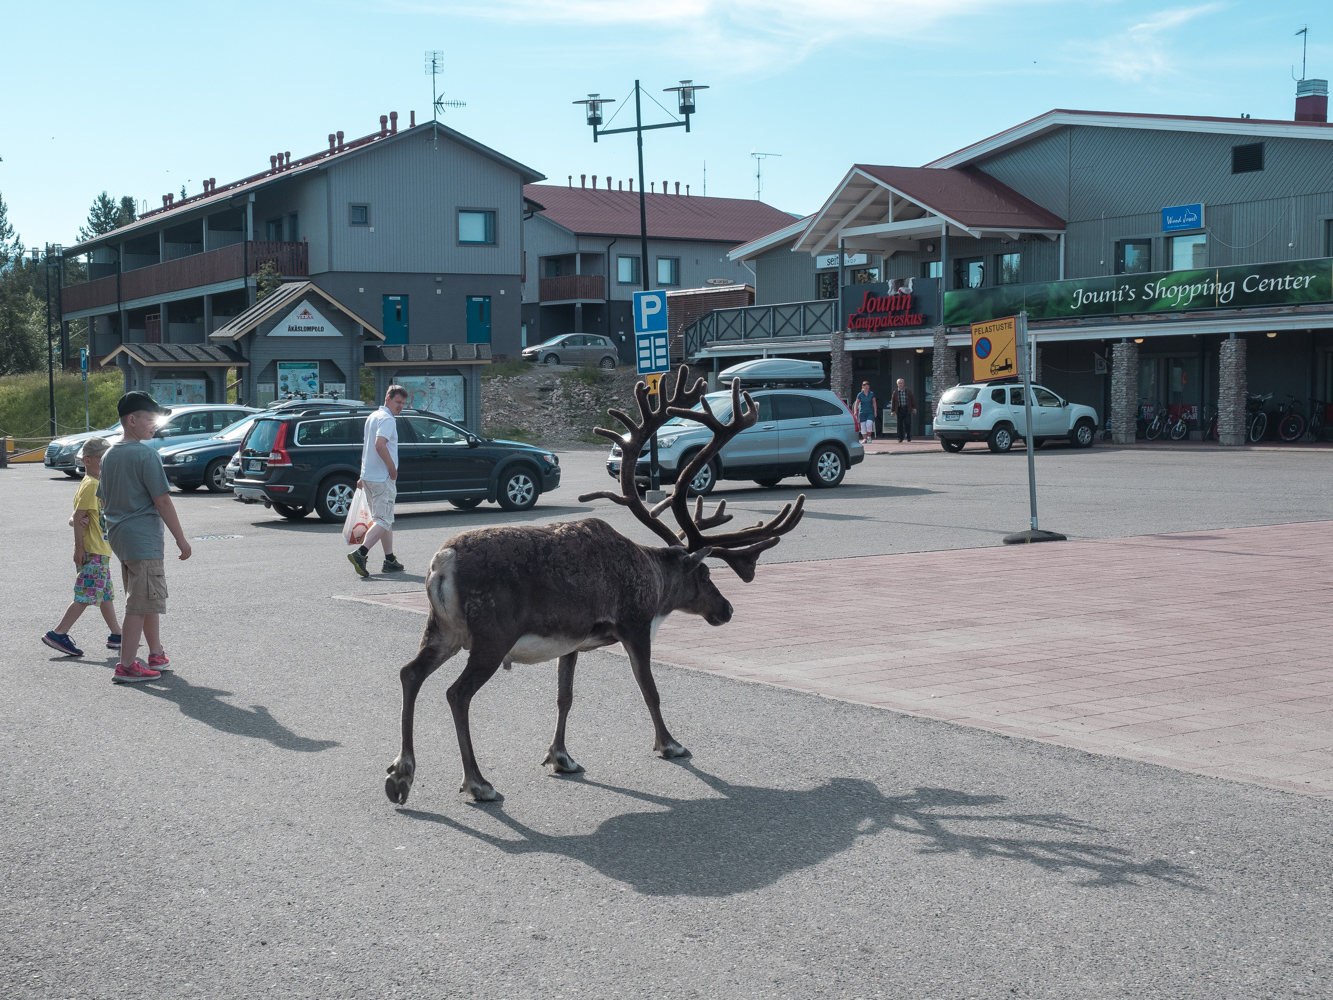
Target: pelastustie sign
<point>1245,286</point>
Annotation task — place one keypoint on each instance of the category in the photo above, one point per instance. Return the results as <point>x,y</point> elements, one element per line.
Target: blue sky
<point>140,98</point>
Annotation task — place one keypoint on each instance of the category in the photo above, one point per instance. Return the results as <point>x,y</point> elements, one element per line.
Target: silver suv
<point>996,414</point>
<point>800,432</point>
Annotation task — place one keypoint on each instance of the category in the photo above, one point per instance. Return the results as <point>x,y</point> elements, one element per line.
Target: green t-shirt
<point>132,478</point>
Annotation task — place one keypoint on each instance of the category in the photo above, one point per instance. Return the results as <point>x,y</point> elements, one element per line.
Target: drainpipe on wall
<point>1062,256</point>
<point>607,308</point>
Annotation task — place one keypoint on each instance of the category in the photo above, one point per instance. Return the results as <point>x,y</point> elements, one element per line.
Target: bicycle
<point>1164,423</point>
<point>1256,420</point>
<point>1290,420</point>
<point>1209,426</point>
<point>1314,430</point>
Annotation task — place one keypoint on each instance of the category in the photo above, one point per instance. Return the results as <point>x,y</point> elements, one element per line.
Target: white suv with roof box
<point>995,414</point>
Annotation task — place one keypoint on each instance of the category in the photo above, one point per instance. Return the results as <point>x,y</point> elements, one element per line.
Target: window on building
<point>932,269</point>
<point>293,228</point>
<point>1133,257</point>
<point>358,215</point>
<point>1007,267</point>
<point>1248,158</point>
<point>551,267</point>
<point>627,270</point>
<point>1189,253</point>
<point>668,270</point>
<point>273,231</point>
<point>476,227</point>
<point>864,276</point>
<point>1328,238</point>
<point>826,284</point>
<point>968,272</point>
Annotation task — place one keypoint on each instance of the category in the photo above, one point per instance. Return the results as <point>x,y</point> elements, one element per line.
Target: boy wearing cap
<point>92,557</point>
<point>134,491</point>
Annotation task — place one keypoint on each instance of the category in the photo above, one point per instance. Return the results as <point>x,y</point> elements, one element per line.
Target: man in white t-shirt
<point>379,481</point>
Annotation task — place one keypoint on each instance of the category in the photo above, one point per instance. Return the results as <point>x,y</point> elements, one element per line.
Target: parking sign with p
<point>650,312</point>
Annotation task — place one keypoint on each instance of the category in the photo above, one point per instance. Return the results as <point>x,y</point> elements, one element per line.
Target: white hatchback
<point>996,414</point>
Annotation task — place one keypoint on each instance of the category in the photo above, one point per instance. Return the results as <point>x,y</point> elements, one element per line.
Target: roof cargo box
<point>774,371</point>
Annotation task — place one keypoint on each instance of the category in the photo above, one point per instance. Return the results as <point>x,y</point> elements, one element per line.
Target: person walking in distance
<point>379,481</point>
<point>867,409</point>
<point>134,493</point>
<point>92,557</point>
<point>904,408</point>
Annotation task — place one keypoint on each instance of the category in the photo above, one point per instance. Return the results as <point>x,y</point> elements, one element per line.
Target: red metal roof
<point>966,195</point>
<point>670,216</point>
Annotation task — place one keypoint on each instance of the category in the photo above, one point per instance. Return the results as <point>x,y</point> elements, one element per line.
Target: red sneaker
<point>158,661</point>
<point>134,673</point>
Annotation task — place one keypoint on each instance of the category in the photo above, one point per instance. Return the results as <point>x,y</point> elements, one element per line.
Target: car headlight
<point>550,459</point>
<point>70,449</point>
<point>667,441</point>
<point>615,451</point>
<point>188,458</point>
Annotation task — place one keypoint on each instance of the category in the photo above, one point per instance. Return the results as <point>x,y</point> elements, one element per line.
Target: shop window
<point>826,285</point>
<point>1189,253</point>
<point>668,270</point>
<point>1133,257</point>
<point>968,272</point>
<point>476,227</point>
<point>627,270</point>
<point>1007,268</point>
<point>1248,158</point>
<point>864,276</point>
<point>358,215</point>
<point>865,362</point>
<point>932,269</point>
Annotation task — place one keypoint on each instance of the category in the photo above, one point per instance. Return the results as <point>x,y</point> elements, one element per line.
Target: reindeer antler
<point>738,549</point>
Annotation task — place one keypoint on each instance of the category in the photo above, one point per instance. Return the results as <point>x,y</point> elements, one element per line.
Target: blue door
<point>478,319</point>
<point>395,319</point>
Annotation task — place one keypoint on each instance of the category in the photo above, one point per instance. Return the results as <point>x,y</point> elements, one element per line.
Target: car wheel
<point>551,359</point>
<point>1037,443</point>
<point>291,513</point>
<point>827,467</point>
<point>768,484</point>
<point>607,363</point>
<point>468,504</point>
<point>948,445</point>
<point>188,487</point>
<point>1083,434</point>
<point>1001,438</point>
<point>215,476</point>
<point>704,480</point>
<point>333,498</point>
<point>73,474</point>
<point>518,489</point>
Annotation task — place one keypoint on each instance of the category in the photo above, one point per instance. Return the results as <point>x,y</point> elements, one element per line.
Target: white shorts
<point>867,427</point>
<point>380,497</point>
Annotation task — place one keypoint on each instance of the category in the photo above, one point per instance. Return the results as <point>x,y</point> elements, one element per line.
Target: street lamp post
<point>50,348</point>
<point>686,105</point>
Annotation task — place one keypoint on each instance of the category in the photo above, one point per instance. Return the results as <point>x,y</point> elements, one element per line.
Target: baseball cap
<point>94,447</point>
<point>133,402</point>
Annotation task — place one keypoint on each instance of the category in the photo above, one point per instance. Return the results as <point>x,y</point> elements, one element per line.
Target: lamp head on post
<point>685,97</point>
<point>593,107</point>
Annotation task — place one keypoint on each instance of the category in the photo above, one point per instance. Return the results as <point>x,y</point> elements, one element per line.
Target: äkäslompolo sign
<point>1246,286</point>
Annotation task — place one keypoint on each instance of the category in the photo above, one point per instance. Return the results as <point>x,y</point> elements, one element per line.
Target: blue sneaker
<point>61,643</point>
<point>113,641</point>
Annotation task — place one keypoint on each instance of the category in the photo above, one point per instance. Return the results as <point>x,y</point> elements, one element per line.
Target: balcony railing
<point>197,270</point>
<point>573,286</point>
<point>789,320</point>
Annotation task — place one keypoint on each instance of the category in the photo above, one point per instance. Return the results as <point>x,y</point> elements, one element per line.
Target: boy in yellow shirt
<point>92,557</point>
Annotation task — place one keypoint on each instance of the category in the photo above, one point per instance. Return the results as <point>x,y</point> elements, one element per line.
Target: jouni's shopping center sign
<point>1246,286</point>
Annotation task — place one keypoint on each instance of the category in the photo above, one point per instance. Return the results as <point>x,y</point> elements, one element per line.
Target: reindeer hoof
<point>562,762</point>
<point>399,781</point>
<point>481,791</point>
<point>672,750</point>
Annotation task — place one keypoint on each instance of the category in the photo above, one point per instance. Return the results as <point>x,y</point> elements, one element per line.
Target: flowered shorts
<point>93,584</point>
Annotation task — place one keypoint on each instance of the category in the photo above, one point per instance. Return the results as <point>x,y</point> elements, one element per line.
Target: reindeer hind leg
<point>482,663</point>
<point>436,647</point>
<point>557,756</point>
<point>640,660</point>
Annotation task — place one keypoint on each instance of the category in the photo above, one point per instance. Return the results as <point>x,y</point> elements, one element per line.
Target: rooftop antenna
<point>434,67</point>
<point>705,178</point>
<point>1305,41</point>
<point>759,171</point>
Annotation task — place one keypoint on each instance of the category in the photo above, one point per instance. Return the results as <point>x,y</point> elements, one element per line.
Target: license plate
<point>250,494</point>
<point>253,466</point>
<point>952,416</point>
<point>614,467</point>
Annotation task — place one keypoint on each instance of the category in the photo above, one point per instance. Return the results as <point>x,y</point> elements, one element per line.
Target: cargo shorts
<point>145,583</point>
<point>380,499</point>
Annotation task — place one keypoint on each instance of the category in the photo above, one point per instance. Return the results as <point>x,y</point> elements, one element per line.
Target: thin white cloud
<point>1150,48</point>
<point>744,36</point>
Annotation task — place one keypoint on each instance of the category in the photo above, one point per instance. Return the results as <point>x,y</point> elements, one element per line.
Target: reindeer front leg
<point>639,647</point>
<point>482,663</point>
<point>435,649</point>
<point>557,755</point>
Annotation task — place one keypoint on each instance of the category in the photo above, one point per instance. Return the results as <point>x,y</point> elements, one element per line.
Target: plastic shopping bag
<point>358,519</point>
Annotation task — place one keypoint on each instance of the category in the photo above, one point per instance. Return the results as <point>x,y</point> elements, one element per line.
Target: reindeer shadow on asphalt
<point>749,837</point>
<point>206,705</point>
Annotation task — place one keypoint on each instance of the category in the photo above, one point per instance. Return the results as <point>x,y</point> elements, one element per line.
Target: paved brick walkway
<point>1206,651</point>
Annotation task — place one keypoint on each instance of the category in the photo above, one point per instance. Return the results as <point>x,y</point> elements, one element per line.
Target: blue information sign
<point>650,312</point>
<point>653,352</point>
<point>1182,217</point>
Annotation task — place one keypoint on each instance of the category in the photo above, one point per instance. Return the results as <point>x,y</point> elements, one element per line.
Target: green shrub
<point>506,369</point>
<point>25,407</point>
<point>588,374</point>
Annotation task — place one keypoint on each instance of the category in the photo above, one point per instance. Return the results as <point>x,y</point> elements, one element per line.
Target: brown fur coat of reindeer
<point>528,594</point>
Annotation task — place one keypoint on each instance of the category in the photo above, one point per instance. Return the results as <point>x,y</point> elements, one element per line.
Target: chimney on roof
<point>287,157</point>
<point>594,182</point>
<point>412,119</point>
<point>583,180</point>
<point>687,190</point>
<point>273,163</point>
<point>571,180</point>
<point>664,187</point>
<point>165,198</point>
<point>1312,101</point>
<point>652,187</point>
<point>340,140</point>
<point>384,124</point>
<point>212,184</point>
<point>332,141</point>
<point>620,185</point>
<point>631,185</point>
<point>677,187</point>
<point>393,122</point>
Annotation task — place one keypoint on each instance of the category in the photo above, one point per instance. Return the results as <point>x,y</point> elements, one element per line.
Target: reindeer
<point>527,594</point>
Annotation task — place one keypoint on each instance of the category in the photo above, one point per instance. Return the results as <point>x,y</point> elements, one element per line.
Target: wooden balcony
<point>195,271</point>
<point>573,288</point>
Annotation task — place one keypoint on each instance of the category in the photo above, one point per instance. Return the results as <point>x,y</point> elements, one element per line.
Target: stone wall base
<point>1124,392</point>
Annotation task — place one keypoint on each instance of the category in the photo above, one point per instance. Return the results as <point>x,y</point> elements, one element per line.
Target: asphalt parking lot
<point>224,832</point>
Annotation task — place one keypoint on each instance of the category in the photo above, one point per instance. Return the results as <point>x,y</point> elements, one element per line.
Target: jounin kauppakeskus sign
<point>1240,287</point>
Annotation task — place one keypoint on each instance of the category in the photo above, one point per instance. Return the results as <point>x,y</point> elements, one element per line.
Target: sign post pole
<point>83,369</point>
<point>1026,358</point>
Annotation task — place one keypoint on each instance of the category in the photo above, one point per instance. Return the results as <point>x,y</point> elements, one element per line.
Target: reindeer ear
<point>695,558</point>
<point>743,561</point>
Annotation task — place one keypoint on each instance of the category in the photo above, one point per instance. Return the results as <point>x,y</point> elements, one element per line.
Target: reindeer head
<point>699,595</point>
<point>738,549</point>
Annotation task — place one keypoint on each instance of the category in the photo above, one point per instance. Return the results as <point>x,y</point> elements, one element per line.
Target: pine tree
<point>21,342</point>
<point>127,213</point>
<point>103,217</point>
<point>9,246</point>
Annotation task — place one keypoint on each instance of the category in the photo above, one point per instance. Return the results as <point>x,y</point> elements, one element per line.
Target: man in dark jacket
<point>903,404</point>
